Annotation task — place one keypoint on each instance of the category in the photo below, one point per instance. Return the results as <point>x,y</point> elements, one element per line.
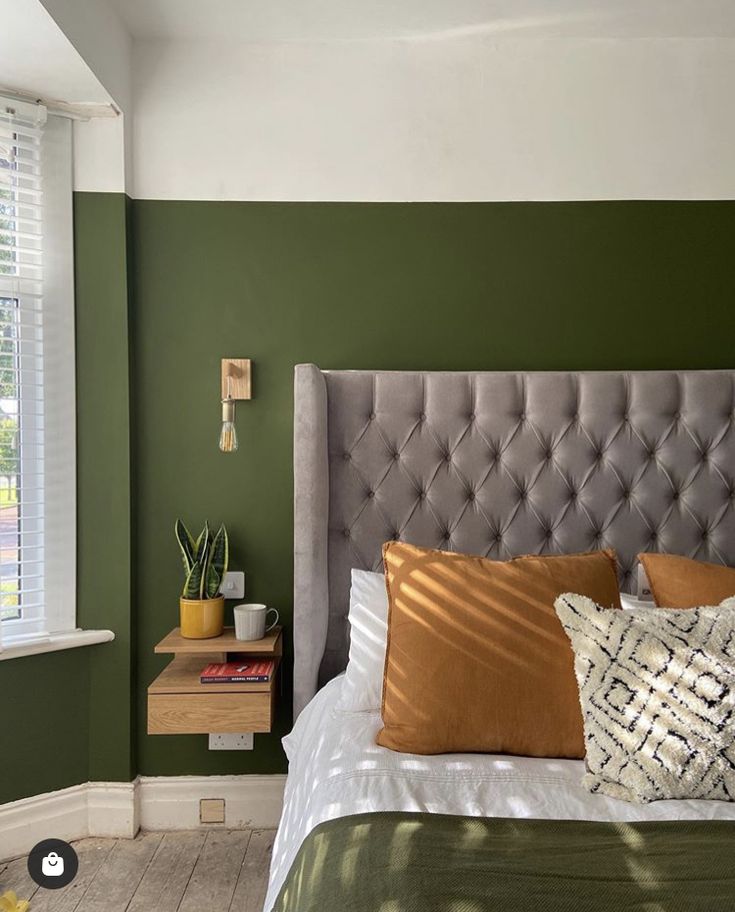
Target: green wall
<point>476,285</point>
<point>45,723</point>
<point>494,286</point>
<point>67,716</point>
<point>104,500</point>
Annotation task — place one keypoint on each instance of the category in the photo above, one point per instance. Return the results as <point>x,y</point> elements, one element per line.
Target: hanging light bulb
<point>235,385</point>
<point>228,434</point>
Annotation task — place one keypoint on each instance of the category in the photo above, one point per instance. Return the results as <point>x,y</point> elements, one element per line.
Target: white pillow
<point>630,602</point>
<point>362,687</point>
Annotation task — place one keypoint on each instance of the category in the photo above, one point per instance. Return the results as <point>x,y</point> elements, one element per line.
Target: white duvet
<point>337,769</point>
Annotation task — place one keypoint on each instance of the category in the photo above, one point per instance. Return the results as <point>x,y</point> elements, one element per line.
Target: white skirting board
<point>172,802</point>
<point>120,809</point>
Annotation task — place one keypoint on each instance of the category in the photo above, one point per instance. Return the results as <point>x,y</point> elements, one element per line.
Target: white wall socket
<point>231,742</point>
<point>233,585</point>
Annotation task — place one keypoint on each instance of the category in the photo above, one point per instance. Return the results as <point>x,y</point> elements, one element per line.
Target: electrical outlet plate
<point>231,742</point>
<point>233,585</point>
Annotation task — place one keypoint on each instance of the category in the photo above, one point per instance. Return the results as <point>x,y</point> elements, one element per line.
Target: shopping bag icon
<point>52,865</point>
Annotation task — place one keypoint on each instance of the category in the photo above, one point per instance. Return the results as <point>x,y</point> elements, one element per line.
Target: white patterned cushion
<point>657,689</point>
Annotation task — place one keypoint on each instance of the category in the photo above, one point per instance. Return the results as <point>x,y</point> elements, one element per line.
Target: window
<point>37,401</point>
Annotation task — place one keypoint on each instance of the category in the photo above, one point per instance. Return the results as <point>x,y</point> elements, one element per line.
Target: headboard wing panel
<point>499,464</point>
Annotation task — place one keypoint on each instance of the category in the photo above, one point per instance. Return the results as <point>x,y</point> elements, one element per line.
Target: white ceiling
<point>36,58</point>
<point>296,20</point>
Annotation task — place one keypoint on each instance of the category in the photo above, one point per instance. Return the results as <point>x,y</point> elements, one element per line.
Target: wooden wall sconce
<point>236,385</point>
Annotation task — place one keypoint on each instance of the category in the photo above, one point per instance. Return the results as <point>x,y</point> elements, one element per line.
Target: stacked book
<point>244,671</point>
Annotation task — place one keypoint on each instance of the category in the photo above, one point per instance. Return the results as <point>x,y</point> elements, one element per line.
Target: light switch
<point>233,585</point>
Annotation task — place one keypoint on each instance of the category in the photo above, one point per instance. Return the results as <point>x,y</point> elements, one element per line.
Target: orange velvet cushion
<point>680,582</point>
<point>477,659</point>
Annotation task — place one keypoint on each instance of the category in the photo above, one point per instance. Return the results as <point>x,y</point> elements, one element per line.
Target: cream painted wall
<point>463,119</point>
<point>99,154</point>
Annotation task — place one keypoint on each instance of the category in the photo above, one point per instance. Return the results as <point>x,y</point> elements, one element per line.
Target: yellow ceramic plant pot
<point>202,618</point>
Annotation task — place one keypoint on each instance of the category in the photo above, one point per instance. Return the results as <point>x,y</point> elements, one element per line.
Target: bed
<point>566,462</point>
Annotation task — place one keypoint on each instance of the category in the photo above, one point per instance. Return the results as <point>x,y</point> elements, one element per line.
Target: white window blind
<point>34,344</point>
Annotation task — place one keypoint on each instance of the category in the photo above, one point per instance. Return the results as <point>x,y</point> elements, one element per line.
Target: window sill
<point>53,642</point>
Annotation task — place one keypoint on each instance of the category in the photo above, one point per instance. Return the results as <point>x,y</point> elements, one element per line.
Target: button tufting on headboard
<point>499,464</point>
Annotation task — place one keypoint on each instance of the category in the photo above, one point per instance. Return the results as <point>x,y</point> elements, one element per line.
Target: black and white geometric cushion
<point>657,690</point>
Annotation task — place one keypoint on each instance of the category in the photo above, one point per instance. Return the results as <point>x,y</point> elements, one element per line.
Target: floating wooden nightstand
<point>179,704</point>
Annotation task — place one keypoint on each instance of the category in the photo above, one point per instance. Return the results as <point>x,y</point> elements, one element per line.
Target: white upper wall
<point>100,155</point>
<point>468,118</point>
<point>329,20</point>
<point>413,100</point>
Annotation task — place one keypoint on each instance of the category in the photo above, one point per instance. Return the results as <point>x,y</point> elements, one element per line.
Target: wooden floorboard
<point>120,874</point>
<point>215,874</point>
<point>252,881</point>
<point>92,854</point>
<point>193,871</point>
<point>164,883</point>
<point>15,877</point>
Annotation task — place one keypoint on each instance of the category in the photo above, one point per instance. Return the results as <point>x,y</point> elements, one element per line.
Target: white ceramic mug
<point>250,621</point>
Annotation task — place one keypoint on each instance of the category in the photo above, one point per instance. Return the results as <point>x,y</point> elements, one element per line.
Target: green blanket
<point>411,862</point>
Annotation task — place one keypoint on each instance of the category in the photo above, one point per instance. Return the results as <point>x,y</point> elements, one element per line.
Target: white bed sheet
<point>337,769</point>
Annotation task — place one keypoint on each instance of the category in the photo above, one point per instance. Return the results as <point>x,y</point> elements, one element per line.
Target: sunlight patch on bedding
<point>643,874</point>
<point>631,837</point>
<point>315,871</point>
<point>519,807</point>
<point>399,855</point>
<point>373,630</point>
<point>348,869</point>
<point>465,905</point>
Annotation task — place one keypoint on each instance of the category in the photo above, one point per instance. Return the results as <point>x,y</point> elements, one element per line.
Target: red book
<point>246,671</point>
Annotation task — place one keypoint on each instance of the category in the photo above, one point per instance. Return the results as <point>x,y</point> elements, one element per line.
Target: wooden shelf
<point>173,642</point>
<point>183,676</point>
<point>179,704</point>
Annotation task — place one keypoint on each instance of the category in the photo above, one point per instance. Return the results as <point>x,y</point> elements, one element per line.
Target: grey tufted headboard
<point>499,464</point>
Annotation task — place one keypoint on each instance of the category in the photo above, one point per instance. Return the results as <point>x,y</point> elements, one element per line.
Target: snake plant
<point>205,560</point>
